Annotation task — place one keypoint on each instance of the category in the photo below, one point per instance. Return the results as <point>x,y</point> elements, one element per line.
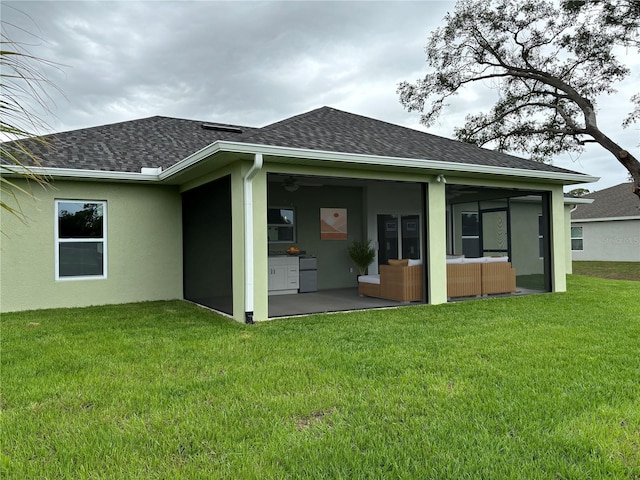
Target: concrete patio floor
<point>345,299</point>
<point>334,300</point>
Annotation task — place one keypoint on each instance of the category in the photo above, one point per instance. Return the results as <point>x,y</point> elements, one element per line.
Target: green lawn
<point>612,270</point>
<point>537,387</point>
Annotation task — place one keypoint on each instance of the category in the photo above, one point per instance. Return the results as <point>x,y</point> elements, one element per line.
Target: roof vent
<point>221,128</point>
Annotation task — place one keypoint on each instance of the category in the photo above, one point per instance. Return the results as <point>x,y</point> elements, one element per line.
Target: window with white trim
<point>576,238</point>
<point>81,239</point>
<point>281,225</point>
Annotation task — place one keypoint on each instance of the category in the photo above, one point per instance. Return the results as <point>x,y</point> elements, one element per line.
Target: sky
<point>255,63</point>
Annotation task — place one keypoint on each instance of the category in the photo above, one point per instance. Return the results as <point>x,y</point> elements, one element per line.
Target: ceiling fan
<point>291,184</point>
<point>460,191</point>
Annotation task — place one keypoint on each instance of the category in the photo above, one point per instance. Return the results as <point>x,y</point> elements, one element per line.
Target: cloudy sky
<point>254,63</point>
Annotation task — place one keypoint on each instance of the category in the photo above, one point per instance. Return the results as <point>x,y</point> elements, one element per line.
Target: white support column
<point>436,243</point>
<point>260,248</point>
<point>558,241</point>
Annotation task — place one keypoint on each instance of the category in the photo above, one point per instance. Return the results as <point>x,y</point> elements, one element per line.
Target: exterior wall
<point>609,241</point>
<point>144,248</point>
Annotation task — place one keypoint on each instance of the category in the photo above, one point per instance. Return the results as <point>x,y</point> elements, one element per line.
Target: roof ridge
<point>257,130</point>
<point>295,117</point>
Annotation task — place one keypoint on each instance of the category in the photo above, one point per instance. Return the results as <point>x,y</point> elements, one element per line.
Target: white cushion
<point>472,260</point>
<point>375,279</point>
<point>414,262</point>
<point>455,260</point>
<point>495,259</point>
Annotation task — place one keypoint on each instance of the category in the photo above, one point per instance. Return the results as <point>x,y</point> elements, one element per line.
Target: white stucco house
<point>608,228</point>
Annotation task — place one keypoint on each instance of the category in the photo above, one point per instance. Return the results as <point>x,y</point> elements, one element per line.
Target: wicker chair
<point>464,280</point>
<point>480,276</point>
<point>399,283</point>
<point>498,278</point>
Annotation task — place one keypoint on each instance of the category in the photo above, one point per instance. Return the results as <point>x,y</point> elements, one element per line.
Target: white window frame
<point>581,237</point>
<point>291,225</point>
<point>470,237</point>
<point>58,241</point>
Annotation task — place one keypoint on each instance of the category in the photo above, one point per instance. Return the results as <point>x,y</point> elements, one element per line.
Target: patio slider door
<point>398,237</point>
<point>495,236</point>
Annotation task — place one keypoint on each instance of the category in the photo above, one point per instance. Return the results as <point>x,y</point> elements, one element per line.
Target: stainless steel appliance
<point>308,274</point>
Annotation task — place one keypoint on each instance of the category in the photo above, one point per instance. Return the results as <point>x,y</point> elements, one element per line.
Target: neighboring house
<point>608,228</point>
<point>163,208</point>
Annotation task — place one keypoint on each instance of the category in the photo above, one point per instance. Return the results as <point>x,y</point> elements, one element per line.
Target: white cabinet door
<point>284,275</point>
<point>277,277</point>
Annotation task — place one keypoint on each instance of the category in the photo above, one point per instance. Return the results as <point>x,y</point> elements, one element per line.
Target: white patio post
<point>558,238</point>
<point>436,242</point>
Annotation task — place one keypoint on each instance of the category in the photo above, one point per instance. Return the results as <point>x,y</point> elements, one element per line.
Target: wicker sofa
<point>468,277</point>
<point>401,282</point>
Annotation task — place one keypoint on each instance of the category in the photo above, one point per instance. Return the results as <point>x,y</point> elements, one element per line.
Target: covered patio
<point>477,205</point>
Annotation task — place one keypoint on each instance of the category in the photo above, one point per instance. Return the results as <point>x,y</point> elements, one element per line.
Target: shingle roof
<point>612,202</point>
<point>163,141</point>
<point>129,146</point>
<point>337,131</point>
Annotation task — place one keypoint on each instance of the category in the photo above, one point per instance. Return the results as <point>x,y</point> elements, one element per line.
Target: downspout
<point>248,237</point>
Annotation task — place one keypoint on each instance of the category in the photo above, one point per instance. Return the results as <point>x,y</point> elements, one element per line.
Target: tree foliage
<point>579,192</point>
<point>23,84</point>
<point>549,62</point>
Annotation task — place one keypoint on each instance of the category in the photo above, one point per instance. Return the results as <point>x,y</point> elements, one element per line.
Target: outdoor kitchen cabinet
<point>284,275</point>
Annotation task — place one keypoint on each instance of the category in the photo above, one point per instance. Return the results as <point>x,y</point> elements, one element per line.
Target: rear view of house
<point>164,208</point>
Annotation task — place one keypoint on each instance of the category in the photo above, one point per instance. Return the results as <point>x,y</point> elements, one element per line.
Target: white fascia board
<point>80,174</point>
<point>603,219</point>
<point>191,160</point>
<point>577,200</point>
<point>338,157</point>
<point>434,166</point>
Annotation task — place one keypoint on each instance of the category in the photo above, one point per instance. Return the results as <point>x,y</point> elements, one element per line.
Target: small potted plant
<point>362,254</point>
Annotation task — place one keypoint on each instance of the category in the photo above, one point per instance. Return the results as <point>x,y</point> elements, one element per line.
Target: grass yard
<point>612,270</point>
<point>536,387</point>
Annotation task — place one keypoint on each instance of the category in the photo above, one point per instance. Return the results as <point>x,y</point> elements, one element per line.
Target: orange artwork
<point>333,223</point>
